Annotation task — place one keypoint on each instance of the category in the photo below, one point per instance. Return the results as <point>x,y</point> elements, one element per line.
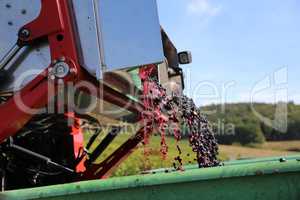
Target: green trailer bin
<point>269,178</point>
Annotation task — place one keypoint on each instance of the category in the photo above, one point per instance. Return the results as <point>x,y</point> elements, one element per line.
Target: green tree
<point>249,133</point>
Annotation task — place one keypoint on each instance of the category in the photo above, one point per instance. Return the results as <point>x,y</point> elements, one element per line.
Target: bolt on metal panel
<point>111,35</point>
<point>30,61</point>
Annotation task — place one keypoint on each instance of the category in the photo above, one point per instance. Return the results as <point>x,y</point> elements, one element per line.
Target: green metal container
<point>272,178</point>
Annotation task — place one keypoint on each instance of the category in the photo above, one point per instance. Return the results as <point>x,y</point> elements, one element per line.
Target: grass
<point>240,152</point>
<point>293,146</point>
<point>137,162</point>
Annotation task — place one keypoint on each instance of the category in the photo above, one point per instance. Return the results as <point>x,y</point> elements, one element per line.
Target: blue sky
<point>249,47</point>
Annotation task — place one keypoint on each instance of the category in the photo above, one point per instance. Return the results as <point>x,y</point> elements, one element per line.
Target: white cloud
<point>204,8</point>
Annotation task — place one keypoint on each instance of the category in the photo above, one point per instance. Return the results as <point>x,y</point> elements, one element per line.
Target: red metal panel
<point>12,118</point>
<point>55,24</point>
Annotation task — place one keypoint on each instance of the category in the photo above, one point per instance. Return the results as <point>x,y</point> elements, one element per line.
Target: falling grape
<point>164,110</point>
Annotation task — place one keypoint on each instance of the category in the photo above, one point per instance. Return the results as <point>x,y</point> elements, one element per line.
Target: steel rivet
<point>61,69</point>
<point>24,33</point>
<point>282,160</point>
<point>52,77</point>
<point>259,172</point>
<point>72,70</point>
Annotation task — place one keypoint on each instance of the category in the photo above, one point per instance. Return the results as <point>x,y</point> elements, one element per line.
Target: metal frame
<point>57,27</point>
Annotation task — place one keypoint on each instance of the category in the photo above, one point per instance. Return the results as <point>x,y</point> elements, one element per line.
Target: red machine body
<point>42,138</point>
<point>58,29</point>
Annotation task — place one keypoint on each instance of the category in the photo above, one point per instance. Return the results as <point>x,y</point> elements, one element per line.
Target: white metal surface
<point>118,34</point>
<point>29,61</point>
<point>88,36</point>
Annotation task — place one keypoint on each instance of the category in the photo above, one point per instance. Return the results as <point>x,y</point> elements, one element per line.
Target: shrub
<point>249,133</point>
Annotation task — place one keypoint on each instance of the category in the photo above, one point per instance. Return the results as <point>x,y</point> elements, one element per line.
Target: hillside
<point>245,123</point>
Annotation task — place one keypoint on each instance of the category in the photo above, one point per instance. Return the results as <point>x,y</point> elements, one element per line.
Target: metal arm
<point>35,94</point>
<point>9,56</point>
